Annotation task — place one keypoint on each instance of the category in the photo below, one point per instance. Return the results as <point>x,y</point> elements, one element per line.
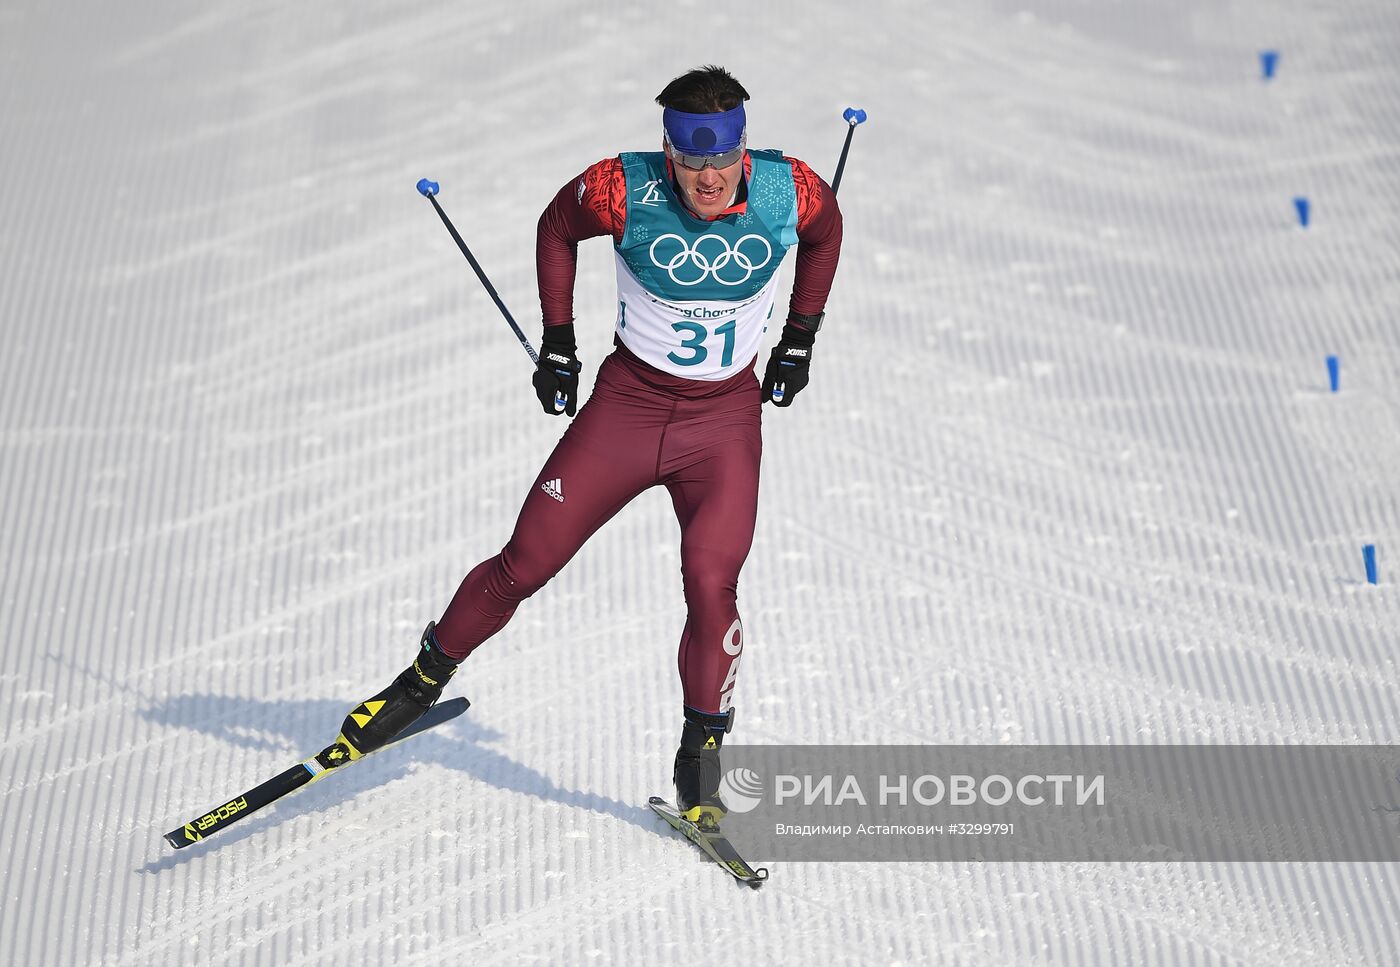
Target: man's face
<point>709,190</point>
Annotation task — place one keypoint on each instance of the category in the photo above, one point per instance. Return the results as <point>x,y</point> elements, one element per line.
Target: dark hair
<point>705,90</point>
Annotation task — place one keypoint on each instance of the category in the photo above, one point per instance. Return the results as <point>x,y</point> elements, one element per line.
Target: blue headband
<point>704,133</point>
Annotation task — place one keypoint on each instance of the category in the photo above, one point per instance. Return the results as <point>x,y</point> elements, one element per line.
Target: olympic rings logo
<point>710,257</point>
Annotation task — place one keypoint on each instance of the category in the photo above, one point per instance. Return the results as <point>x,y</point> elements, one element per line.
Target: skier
<point>699,230</point>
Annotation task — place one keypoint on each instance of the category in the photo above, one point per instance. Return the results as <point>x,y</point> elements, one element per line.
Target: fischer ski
<point>332,757</point>
<point>713,842</point>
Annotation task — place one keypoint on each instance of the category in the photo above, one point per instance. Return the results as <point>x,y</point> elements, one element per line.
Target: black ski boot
<point>696,773</point>
<point>376,721</point>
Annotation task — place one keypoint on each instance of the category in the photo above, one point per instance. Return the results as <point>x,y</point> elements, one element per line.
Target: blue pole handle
<point>427,188</point>
<point>853,116</point>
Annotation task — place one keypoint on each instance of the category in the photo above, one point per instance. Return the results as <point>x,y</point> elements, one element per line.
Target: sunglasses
<point>699,162</point>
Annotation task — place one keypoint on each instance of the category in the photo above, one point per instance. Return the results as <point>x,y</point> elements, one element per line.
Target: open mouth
<point>708,195</point>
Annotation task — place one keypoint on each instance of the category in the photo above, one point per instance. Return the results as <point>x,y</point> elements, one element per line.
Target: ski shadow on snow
<point>290,731</point>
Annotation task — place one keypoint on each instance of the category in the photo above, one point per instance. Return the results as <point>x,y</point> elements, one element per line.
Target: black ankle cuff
<point>722,722</point>
<point>704,731</point>
<point>432,653</point>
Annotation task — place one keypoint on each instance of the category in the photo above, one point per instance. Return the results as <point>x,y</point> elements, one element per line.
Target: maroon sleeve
<point>818,241</point>
<point>586,207</point>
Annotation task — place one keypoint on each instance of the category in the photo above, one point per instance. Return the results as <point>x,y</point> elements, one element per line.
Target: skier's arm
<point>590,205</point>
<point>818,251</point>
<point>818,241</point>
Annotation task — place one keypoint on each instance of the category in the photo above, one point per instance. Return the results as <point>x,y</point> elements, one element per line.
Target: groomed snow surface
<point>1068,469</point>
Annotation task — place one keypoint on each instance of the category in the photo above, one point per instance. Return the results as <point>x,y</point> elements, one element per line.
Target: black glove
<point>786,374</point>
<point>556,374</point>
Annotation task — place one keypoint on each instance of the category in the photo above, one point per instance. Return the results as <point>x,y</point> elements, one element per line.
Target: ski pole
<point>429,189</point>
<point>853,117</point>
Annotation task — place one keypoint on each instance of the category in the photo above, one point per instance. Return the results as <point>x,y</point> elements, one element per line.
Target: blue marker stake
<point>1334,372</point>
<point>1268,63</point>
<point>1300,204</point>
<point>1368,555</point>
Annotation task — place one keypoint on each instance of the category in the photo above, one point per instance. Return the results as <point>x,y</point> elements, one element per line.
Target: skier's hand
<point>788,366</point>
<point>556,374</point>
<point>556,381</point>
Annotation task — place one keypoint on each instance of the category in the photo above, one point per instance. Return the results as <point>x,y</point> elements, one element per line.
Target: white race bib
<point>710,340</point>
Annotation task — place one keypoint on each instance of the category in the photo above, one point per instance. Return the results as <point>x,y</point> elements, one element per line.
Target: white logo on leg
<point>555,488</point>
<point>733,644</point>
